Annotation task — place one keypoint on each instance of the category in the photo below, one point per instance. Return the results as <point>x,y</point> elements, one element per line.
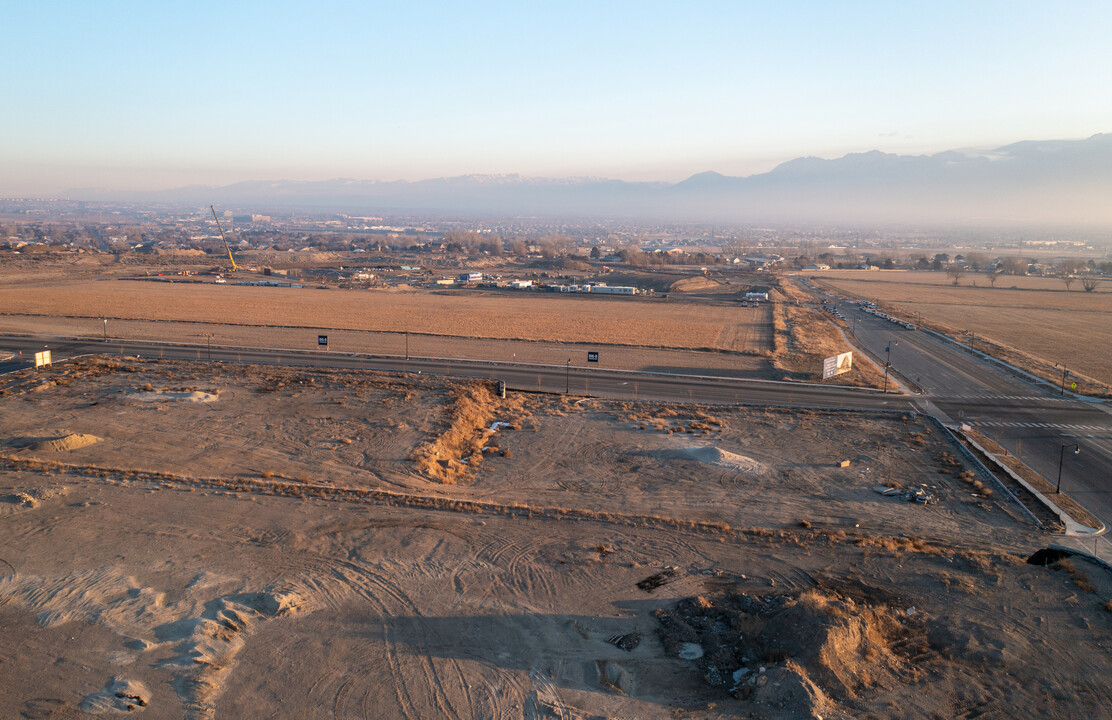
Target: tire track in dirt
<point>417,680</point>
<point>397,600</point>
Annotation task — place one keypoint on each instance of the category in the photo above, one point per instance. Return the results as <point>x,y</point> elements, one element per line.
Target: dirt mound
<point>560,264</point>
<point>715,456</point>
<point>801,653</point>
<point>65,443</point>
<point>693,284</point>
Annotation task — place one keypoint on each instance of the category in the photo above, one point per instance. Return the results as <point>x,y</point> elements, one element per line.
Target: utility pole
<point>567,378</point>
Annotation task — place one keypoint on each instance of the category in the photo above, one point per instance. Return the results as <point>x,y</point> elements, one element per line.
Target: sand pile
<point>33,497</point>
<point>800,654</point>
<point>73,441</point>
<point>693,284</point>
<point>173,396</point>
<point>715,456</point>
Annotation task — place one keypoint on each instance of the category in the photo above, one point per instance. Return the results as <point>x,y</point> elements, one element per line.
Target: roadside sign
<point>322,340</point>
<point>1073,385</point>
<point>837,365</point>
<point>42,358</point>
<point>592,356</point>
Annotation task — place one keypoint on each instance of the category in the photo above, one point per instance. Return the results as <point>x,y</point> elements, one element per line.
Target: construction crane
<point>235,268</point>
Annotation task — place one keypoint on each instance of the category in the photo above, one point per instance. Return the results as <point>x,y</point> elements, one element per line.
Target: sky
<point>154,95</point>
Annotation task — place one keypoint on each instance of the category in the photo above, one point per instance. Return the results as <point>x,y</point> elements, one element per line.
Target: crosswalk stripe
<point>1059,426</point>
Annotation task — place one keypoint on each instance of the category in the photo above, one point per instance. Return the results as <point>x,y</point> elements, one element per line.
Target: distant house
<point>816,266</point>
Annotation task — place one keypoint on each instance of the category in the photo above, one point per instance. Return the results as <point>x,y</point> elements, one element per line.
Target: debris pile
<point>799,652</point>
<point>913,495</point>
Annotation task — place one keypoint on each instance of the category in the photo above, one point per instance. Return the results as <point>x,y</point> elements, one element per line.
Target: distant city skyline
<point>125,95</point>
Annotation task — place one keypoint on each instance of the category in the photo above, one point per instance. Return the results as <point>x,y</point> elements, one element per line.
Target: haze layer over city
<point>132,99</point>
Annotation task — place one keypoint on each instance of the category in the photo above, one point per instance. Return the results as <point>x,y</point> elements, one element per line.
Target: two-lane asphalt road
<point>598,382</point>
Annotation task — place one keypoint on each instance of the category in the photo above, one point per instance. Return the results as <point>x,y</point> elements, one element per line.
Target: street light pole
<point>888,362</point>
<point>567,378</point>
<point>105,329</point>
<point>1061,456</point>
<point>406,344</point>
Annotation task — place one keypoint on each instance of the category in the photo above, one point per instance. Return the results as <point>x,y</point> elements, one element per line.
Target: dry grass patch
<point>1080,579</point>
<point>804,338</point>
<point>522,316</point>
<point>452,456</point>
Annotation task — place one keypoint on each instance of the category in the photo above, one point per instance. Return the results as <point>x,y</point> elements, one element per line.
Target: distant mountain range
<point>1056,182</point>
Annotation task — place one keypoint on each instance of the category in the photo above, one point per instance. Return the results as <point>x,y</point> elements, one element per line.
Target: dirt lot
<point>1037,316</point>
<point>228,541</point>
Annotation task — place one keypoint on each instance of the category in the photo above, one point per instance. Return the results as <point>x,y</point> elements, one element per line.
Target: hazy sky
<point>158,94</point>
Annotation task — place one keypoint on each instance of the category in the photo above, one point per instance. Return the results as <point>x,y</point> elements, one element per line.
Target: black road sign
<point>322,340</point>
<point>592,356</point>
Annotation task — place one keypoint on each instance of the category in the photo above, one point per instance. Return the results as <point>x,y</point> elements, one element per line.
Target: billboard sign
<point>42,358</point>
<point>592,356</point>
<point>322,340</point>
<point>837,365</point>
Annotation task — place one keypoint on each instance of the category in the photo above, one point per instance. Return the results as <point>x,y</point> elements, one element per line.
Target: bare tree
<point>975,261</point>
<point>1089,283</point>
<point>1070,266</point>
<point>1068,280</point>
<point>955,272</point>
<point>993,274</point>
<point>1014,265</point>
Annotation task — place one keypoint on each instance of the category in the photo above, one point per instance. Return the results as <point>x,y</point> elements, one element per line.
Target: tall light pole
<point>567,378</point>
<point>1061,456</point>
<point>888,361</point>
<point>105,329</point>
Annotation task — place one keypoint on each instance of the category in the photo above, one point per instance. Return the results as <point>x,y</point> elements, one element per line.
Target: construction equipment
<point>235,268</point>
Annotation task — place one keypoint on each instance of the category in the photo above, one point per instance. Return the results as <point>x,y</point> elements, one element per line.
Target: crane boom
<point>227,247</point>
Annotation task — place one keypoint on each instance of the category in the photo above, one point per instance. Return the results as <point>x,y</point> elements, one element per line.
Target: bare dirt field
<point>1036,316</point>
<point>204,541</point>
